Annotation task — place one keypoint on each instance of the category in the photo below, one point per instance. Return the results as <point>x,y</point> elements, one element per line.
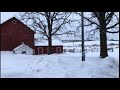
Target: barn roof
<point>14,18</point>
<point>20,46</point>
<point>45,43</point>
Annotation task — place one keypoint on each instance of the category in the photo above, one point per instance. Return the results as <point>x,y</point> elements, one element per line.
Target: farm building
<point>42,47</point>
<point>23,49</point>
<point>13,33</point>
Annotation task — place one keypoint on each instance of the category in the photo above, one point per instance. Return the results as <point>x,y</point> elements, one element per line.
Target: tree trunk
<point>49,35</point>
<point>49,45</point>
<point>103,37</point>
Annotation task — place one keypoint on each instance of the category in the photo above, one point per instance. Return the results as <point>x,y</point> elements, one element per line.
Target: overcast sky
<point>7,15</point>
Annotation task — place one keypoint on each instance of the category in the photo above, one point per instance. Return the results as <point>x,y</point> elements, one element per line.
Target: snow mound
<point>67,65</point>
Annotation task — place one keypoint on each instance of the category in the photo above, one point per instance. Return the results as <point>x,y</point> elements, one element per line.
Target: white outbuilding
<point>23,49</point>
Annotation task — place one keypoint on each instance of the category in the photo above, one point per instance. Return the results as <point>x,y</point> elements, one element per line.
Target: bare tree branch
<point>109,15</point>
<point>113,32</point>
<point>113,26</point>
<point>109,18</point>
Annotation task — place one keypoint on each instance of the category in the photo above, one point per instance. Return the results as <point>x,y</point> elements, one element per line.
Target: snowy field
<point>88,43</point>
<point>90,46</point>
<point>66,65</point>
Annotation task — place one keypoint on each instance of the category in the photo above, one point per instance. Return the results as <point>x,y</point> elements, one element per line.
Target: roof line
<point>19,21</point>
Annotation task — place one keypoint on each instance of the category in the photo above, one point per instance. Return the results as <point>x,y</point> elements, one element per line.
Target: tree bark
<point>103,36</point>
<point>49,45</point>
<point>49,36</point>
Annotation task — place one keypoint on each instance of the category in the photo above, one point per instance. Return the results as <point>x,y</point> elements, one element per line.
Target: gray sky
<point>7,15</point>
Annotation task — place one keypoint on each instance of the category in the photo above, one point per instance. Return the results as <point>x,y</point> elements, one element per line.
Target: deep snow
<point>67,65</point>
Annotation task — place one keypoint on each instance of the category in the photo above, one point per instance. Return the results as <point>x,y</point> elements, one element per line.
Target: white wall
<point>24,48</point>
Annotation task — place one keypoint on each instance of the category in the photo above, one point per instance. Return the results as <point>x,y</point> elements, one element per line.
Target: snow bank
<point>68,65</point>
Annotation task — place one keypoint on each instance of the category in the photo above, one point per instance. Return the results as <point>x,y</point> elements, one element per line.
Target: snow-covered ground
<point>90,46</point>
<point>88,43</point>
<point>66,65</point>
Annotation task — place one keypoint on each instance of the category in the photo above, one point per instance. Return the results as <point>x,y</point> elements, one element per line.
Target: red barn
<point>42,47</point>
<point>13,32</point>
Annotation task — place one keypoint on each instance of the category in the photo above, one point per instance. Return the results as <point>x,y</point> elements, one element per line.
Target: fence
<point>86,50</point>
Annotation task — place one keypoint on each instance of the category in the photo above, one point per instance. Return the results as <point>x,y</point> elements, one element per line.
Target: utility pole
<point>82,32</point>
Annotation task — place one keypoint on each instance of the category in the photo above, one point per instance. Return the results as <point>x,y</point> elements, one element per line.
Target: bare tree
<point>104,22</point>
<point>48,24</point>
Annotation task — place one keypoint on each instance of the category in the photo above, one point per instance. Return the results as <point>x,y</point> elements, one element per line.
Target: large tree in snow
<point>105,22</point>
<point>48,24</point>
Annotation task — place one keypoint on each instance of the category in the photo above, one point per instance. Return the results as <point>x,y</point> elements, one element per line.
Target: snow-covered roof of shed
<point>45,43</point>
<point>20,46</point>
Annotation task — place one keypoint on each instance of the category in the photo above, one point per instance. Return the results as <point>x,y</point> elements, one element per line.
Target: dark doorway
<point>23,52</point>
<point>40,50</point>
<point>58,50</point>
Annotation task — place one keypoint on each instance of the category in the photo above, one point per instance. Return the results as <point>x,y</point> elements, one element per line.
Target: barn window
<point>14,22</point>
<point>23,52</point>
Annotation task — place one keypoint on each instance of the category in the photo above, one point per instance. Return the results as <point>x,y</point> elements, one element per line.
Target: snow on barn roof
<point>20,46</point>
<point>45,43</point>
